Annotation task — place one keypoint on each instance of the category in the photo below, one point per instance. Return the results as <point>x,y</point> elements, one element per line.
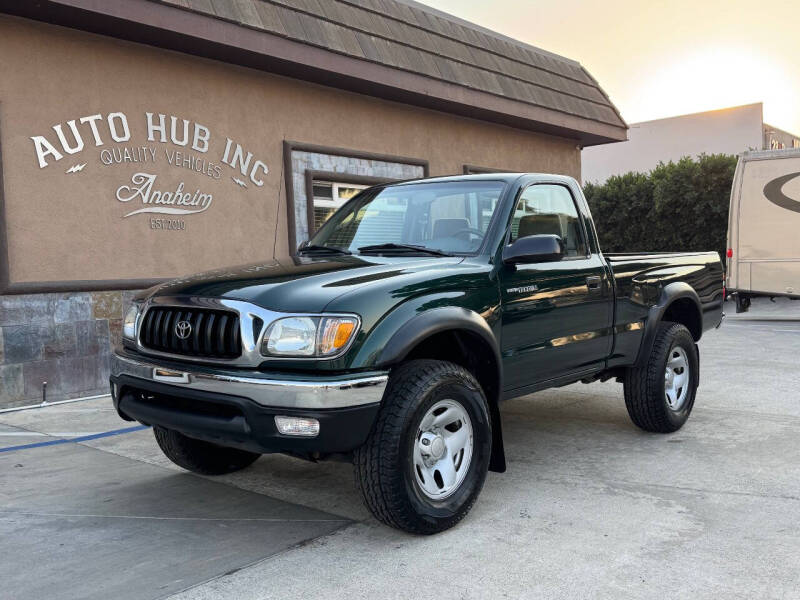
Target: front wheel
<point>660,395</point>
<point>425,461</point>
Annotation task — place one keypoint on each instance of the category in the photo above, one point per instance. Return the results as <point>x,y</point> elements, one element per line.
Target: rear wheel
<point>199,456</point>
<point>425,461</point>
<point>660,395</point>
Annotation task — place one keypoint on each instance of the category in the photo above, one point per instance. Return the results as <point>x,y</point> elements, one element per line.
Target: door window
<point>549,209</point>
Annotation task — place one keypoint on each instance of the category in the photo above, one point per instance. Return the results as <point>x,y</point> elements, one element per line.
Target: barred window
<point>328,197</point>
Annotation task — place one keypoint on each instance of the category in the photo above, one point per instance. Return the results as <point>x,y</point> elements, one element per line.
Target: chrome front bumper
<point>302,392</point>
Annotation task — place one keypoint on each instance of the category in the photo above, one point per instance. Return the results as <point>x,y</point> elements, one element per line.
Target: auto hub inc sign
<point>85,146</point>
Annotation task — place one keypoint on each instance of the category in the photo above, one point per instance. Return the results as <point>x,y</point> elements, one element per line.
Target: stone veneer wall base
<point>64,339</point>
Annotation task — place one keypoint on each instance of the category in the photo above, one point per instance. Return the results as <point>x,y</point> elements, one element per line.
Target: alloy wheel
<point>676,378</point>
<point>442,449</point>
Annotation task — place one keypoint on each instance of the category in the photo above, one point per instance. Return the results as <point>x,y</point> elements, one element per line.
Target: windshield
<point>451,217</point>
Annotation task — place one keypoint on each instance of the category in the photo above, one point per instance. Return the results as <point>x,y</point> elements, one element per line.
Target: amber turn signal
<point>335,334</point>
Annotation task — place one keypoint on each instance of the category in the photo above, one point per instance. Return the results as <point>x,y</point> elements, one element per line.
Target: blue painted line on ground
<point>83,438</point>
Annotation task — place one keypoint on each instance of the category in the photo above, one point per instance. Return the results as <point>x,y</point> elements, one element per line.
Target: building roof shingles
<point>394,49</point>
<point>412,38</point>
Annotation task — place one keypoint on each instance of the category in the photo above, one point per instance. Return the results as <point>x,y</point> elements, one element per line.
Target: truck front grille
<point>209,334</point>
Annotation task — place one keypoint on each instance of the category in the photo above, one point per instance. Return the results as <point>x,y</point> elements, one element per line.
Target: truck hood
<point>303,284</point>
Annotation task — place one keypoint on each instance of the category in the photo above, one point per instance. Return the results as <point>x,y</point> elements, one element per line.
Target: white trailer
<point>763,256</point>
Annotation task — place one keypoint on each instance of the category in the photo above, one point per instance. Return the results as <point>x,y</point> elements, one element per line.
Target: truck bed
<point>641,277</point>
<point>701,270</point>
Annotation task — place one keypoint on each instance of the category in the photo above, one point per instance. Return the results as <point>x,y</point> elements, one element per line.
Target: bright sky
<point>658,58</point>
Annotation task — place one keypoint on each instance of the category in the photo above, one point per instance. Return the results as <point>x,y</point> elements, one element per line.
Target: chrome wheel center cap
<point>437,447</point>
<point>432,446</point>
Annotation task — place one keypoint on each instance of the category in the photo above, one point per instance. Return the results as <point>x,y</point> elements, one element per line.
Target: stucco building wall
<point>56,75</point>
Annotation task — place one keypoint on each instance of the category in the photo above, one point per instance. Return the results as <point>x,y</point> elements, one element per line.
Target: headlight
<point>129,323</point>
<point>314,337</point>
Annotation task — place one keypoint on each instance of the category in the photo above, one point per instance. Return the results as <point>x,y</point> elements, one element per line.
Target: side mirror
<point>534,249</point>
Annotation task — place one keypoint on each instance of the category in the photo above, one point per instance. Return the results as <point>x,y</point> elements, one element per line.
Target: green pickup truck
<point>392,336</point>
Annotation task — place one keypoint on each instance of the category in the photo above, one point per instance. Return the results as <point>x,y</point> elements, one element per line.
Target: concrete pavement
<point>590,507</point>
<point>76,522</point>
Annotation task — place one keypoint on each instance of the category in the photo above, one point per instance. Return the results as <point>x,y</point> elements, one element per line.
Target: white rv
<point>764,227</point>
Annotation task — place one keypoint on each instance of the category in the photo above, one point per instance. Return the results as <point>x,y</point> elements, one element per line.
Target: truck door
<point>557,316</point>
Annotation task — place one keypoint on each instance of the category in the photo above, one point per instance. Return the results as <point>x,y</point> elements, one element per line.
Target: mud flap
<point>497,462</point>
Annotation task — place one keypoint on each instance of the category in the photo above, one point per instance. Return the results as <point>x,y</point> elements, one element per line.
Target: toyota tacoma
<point>393,335</point>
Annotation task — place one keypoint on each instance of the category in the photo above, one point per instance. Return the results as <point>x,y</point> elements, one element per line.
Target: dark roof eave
<point>173,28</point>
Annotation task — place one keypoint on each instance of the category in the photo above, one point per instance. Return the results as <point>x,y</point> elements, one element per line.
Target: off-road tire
<point>383,465</point>
<point>199,456</point>
<point>644,386</point>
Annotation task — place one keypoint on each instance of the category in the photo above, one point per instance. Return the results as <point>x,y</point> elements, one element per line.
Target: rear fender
<point>669,295</point>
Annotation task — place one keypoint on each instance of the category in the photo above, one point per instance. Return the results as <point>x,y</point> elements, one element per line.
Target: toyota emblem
<point>183,329</point>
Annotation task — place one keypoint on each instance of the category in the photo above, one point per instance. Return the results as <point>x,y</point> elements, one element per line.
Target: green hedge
<point>678,206</point>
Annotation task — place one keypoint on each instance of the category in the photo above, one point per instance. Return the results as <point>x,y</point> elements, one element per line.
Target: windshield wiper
<point>401,248</point>
<point>323,249</point>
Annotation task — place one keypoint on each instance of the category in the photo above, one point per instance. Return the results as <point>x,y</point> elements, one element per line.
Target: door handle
<point>594,283</point>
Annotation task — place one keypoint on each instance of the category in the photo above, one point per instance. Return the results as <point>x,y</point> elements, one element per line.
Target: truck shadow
<point>541,431</point>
